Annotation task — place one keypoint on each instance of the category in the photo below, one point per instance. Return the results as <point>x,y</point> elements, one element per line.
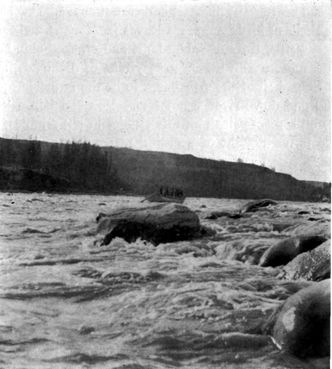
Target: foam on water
<point>66,302</point>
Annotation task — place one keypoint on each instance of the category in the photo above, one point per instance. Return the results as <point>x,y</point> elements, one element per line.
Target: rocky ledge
<point>156,224</point>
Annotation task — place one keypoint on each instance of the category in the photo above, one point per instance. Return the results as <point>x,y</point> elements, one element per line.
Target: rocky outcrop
<point>256,205</point>
<point>286,250</point>
<point>219,214</point>
<point>156,224</point>
<point>314,265</point>
<point>302,327</point>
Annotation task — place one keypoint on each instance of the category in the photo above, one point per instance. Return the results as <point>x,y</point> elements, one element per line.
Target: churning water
<point>66,302</point>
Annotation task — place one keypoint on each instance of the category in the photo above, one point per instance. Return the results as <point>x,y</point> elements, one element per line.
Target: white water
<point>65,302</point>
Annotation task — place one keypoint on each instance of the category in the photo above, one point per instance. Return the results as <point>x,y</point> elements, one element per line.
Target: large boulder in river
<point>156,224</point>
<point>313,265</point>
<point>320,228</point>
<point>286,250</point>
<point>303,324</point>
<point>256,205</point>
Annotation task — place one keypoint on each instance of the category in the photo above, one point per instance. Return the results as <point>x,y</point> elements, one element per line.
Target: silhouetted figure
<point>170,192</point>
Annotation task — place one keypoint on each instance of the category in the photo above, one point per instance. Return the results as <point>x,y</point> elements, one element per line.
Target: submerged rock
<point>219,214</point>
<point>314,265</point>
<point>286,250</point>
<point>303,324</point>
<point>303,212</point>
<point>156,224</point>
<point>99,216</point>
<point>255,205</point>
<point>281,226</point>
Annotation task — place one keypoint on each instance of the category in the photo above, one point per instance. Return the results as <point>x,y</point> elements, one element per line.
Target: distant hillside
<point>144,171</point>
<point>89,168</point>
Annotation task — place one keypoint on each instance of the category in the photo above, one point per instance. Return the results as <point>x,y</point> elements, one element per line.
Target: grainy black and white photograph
<point>165,184</point>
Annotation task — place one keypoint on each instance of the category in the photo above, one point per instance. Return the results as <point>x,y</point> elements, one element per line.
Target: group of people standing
<point>170,191</point>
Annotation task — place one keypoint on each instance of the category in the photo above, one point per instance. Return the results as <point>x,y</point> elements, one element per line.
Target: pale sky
<point>216,79</point>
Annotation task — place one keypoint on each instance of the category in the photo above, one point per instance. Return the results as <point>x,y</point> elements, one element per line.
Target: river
<point>66,302</point>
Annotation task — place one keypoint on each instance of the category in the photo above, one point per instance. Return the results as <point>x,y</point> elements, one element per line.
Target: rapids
<point>66,302</point>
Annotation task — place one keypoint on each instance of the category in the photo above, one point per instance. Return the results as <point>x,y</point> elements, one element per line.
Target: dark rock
<point>216,215</point>
<point>303,212</point>
<point>99,216</point>
<point>207,231</point>
<point>211,216</point>
<point>156,224</point>
<point>86,330</point>
<point>280,227</point>
<point>235,215</point>
<point>313,265</point>
<point>303,324</point>
<point>286,250</point>
<point>257,205</point>
<point>219,214</point>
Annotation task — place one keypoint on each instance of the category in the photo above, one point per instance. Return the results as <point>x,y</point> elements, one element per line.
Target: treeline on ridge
<point>40,166</point>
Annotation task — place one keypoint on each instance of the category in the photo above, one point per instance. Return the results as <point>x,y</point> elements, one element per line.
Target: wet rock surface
<point>219,214</point>
<point>286,250</point>
<point>256,205</point>
<point>303,324</point>
<point>157,224</point>
<point>314,265</point>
